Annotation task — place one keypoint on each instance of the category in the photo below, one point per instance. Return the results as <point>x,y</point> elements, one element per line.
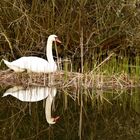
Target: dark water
<point>83,114</point>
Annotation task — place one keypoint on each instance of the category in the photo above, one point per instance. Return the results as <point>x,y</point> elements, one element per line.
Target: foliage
<point>89,29</point>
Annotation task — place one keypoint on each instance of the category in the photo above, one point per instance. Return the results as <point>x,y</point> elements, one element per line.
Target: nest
<point>63,79</point>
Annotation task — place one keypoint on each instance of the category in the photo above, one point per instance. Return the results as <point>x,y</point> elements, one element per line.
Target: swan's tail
<point>10,65</point>
<point>5,94</point>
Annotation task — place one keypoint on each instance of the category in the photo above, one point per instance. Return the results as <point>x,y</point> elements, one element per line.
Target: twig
<point>102,63</point>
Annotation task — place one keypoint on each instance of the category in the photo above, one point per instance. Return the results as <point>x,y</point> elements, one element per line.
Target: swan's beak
<point>57,40</point>
<point>56,118</point>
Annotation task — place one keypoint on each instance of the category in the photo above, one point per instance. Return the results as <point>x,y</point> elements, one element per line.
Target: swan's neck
<point>49,51</point>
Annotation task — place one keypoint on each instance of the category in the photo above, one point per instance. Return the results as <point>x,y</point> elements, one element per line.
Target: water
<point>28,113</point>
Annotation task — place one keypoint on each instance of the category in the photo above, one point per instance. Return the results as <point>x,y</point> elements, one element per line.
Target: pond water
<point>42,113</point>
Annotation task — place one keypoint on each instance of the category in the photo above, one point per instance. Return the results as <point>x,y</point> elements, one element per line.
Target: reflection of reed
<point>90,116</point>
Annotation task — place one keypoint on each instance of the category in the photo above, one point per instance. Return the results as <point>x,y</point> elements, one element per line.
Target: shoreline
<point>63,79</point>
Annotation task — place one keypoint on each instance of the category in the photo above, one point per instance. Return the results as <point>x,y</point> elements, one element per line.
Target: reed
<point>98,36</point>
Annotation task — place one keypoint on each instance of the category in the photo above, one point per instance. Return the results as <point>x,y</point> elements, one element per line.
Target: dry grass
<point>83,25</point>
<point>64,79</point>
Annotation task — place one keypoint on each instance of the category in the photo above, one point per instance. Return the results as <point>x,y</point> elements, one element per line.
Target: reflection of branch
<point>15,118</point>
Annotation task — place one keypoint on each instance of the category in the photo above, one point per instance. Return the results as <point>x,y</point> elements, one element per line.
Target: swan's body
<point>31,64</point>
<point>36,64</point>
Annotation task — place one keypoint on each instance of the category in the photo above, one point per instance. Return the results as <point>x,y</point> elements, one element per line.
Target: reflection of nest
<point>64,79</point>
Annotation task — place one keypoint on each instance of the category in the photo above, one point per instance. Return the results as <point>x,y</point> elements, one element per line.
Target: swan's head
<point>54,38</point>
<point>53,120</point>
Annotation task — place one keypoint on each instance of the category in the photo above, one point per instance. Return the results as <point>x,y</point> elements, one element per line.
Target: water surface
<point>84,114</point>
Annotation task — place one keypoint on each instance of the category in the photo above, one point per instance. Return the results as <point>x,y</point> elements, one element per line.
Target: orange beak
<point>56,118</point>
<point>57,40</point>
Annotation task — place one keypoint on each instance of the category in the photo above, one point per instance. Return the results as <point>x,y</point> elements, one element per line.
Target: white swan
<point>36,64</point>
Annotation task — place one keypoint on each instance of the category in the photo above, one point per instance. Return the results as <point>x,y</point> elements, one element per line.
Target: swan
<point>36,64</point>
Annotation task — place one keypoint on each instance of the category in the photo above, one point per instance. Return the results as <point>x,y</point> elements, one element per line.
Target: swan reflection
<point>34,94</point>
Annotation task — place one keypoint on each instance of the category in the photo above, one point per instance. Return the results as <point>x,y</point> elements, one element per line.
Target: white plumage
<point>36,64</point>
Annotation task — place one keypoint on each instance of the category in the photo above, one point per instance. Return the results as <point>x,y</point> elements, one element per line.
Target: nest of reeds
<point>63,79</point>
